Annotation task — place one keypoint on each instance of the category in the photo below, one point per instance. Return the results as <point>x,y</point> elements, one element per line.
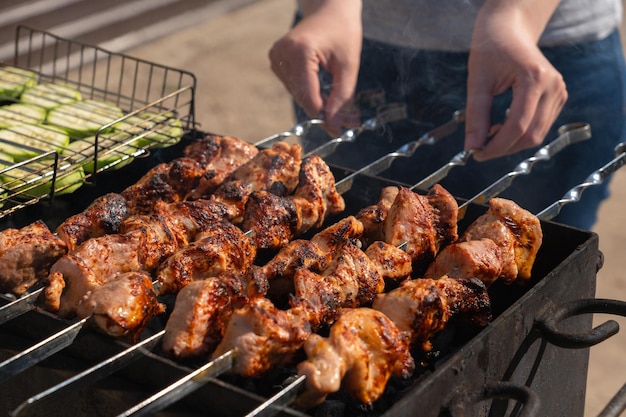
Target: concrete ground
<point>238,95</point>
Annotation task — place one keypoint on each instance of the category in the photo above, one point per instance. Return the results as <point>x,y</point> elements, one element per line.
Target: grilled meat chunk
<point>481,259</point>
<point>263,336</point>
<point>364,348</point>
<point>220,248</point>
<point>393,263</point>
<point>274,220</point>
<point>413,220</point>
<point>220,156</point>
<point>509,225</point>
<point>350,280</point>
<point>26,255</point>
<point>168,182</point>
<point>423,307</point>
<point>92,264</point>
<point>270,220</point>
<point>103,216</point>
<point>313,254</point>
<point>123,306</point>
<point>200,314</point>
<point>275,169</point>
<point>373,217</point>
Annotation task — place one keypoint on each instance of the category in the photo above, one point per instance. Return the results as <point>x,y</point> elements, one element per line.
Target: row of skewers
<point>356,274</point>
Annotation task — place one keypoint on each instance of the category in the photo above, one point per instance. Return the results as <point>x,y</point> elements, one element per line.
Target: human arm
<point>328,36</point>
<point>504,54</point>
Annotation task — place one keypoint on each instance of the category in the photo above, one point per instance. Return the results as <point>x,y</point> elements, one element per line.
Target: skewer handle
<point>386,113</point>
<point>406,150</point>
<point>182,387</point>
<point>595,178</point>
<point>19,306</point>
<point>298,130</point>
<point>568,134</point>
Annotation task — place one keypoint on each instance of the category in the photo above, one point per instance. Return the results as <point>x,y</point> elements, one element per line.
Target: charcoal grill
<point>525,354</point>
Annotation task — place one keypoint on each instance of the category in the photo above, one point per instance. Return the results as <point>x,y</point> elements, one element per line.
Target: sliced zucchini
<point>84,118</point>
<point>20,113</point>
<point>111,150</point>
<point>28,141</point>
<point>156,130</point>
<point>51,95</point>
<point>14,80</point>
<point>34,179</point>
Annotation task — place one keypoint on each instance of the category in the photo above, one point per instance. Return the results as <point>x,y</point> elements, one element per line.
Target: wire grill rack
<point>156,103</point>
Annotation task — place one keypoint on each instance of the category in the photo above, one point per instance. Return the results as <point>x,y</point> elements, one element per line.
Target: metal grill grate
<point>156,102</point>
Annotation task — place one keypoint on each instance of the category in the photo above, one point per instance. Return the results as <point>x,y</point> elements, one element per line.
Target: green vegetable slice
<point>20,113</point>
<point>84,118</point>
<point>28,141</point>
<point>51,95</point>
<point>111,150</point>
<point>34,179</point>
<point>157,130</point>
<point>14,80</point>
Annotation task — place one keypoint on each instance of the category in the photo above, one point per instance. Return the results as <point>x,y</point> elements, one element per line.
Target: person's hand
<point>503,55</point>
<point>329,36</point>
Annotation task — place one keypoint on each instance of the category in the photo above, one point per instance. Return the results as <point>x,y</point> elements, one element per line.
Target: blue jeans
<point>433,84</point>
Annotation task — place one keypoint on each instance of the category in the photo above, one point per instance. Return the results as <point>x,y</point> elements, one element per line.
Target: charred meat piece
<point>507,224</point>
<point>123,306</point>
<point>313,254</point>
<point>275,169</point>
<point>393,263</point>
<point>363,350</point>
<point>92,264</point>
<point>481,259</point>
<point>263,336</point>
<point>26,255</point>
<point>274,220</point>
<point>200,314</point>
<point>373,217</point>
<point>413,221</point>
<point>350,280</point>
<point>424,306</point>
<point>168,182</point>
<point>270,220</point>
<point>103,216</point>
<point>220,248</point>
<point>220,156</point>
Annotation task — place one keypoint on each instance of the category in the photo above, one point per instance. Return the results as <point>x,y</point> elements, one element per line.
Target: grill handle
<point>548,327</point>
<point>531,404</point>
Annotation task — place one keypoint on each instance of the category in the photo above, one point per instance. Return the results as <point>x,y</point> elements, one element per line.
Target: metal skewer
<point>40,351</point>
<point>386,113</point>
<point>568,134</point>
<point>92,374</point>
<point>405,151</point>
<point>298,130</point>
<point>182,387</point>
<point>19,306</point>
<point>595,178</point>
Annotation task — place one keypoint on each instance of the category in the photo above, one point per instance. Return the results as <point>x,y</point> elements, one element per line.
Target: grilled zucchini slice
<point>51,95</point>
<point>34,179</point>
<point>84,118</point>
<point>111,150</point>
<point>14,80</point>
<point>20,113</point>
<point>27,141</point>
<point>155,130</point>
